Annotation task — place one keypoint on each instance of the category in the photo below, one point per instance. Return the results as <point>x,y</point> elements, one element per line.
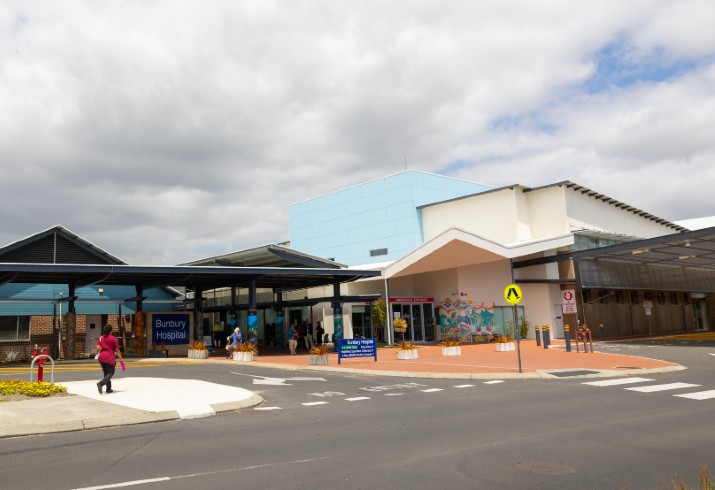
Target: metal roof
<point>270,255</point>
<point>279,279</point>
<point>678,262</point>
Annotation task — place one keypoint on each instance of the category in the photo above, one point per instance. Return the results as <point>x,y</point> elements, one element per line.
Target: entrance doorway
<point>701,321</point>
<point>420,321</point>
<point>93,332</point>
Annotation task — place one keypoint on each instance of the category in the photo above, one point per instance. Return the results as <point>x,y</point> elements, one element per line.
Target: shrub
<point>246,347</point>
<point>319,350</point>
<point>15,387</point>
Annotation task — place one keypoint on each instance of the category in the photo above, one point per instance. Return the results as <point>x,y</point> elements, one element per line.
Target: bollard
<point>567,336</point>
<point>601,332</point>
<point>547,336</point>
<point>537,331</point>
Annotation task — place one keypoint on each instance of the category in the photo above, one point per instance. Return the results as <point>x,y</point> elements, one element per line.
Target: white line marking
<point>357,399</point>
<point>268,408</point>
<point>311,404</point>
<point>394,394</point>
<point>700,395</point>
<point>432,390</point>
<point>464,386</point>
<point>494,382</point>
<point>669,386</point>
<point>127,483</point>
<point>618,381</point>
<point>193,475</point>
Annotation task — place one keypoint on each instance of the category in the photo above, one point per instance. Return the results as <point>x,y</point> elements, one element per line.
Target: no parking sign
<point>568,301</point>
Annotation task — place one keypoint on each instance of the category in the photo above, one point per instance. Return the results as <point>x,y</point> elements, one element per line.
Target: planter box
<point>318,360</point>
<point>198,354</point>
<point>407,354</point>
<point>452,351</point>
<point>505,346</point>
<point>243,356</point>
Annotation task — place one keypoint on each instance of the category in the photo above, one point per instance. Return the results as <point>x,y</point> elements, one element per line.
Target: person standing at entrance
<point>293,338</point>
<point>307,334</point>
<point>319,331</point>
<point>218,334</point>
<point>107,353</point>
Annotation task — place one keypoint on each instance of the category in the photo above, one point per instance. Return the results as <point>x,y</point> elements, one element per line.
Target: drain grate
<point>566,374</point>
<point>545,468</point>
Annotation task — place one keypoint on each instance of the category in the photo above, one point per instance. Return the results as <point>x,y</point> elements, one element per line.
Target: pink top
<point>109,344</point>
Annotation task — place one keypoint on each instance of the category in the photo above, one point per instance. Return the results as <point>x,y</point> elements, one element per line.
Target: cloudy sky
<point>165,130</point>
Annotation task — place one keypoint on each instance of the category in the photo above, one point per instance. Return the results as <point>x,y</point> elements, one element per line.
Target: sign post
<point>512,295</point>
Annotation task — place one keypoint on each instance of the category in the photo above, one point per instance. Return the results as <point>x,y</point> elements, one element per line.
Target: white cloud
<point>166,131</point>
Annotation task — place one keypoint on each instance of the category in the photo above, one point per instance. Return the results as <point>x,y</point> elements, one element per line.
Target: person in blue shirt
<point>233,340</point>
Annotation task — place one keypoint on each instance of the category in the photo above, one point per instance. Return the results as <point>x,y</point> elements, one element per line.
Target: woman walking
<point>108,351</point>
<point>293,338</point>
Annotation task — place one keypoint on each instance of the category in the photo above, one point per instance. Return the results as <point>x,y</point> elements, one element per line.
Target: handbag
<point>96,356</point>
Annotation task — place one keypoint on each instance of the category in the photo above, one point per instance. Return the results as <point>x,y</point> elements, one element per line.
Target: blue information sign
<point>357,348</point>
<point>170,328</point>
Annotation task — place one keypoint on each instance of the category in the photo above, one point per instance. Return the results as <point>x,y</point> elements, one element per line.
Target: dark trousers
<point>108,370</point>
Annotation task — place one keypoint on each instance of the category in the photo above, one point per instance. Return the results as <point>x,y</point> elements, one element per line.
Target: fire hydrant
<point>40,361</point>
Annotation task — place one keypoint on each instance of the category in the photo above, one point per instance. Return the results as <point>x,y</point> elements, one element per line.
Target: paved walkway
<point>142,400</point>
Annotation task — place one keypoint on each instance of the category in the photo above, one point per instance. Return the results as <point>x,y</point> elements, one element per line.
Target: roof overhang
<point>678,262</point>
<point>206,278</point>
<point>456,248</point>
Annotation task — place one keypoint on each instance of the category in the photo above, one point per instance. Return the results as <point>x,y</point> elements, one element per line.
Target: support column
<point>337,317</point>
<point>71,351</point>
<point>280,336</point>
<point>139,322</point>
<point>252,318</point>
<point>198,313</point>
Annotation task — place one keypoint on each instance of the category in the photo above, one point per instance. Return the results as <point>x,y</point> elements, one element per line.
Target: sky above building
<point>165,131</point>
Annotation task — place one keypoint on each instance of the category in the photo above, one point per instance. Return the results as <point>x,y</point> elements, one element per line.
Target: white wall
<point>547,212</point>
<point>589,212</point>
<point>492,215</point>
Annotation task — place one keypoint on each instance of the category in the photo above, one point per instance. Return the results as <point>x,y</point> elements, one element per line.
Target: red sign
<point>412,300</point>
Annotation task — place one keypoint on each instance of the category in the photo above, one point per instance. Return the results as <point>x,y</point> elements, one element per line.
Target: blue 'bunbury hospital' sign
<point>170,328</point>
<point>357,348</point>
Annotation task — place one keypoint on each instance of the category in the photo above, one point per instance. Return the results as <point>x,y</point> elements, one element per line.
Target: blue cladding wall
<point>347,224</point>
<point>89,301</point>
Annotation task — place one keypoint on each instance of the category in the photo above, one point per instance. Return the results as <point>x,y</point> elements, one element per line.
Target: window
<point>585,295</point>
<point>686,298</point>
<point>378,251</point>
<point>619,297</point>
<point>603,297</point>
<point>673,299</point>
<point>661,298</point>
<point>634,297</point>
<point>14,328</point>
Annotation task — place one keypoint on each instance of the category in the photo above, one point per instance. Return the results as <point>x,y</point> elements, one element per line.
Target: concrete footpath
<point>144,400</point>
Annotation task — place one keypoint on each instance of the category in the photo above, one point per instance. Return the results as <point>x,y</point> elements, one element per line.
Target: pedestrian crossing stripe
<point>617,382</point>
<point>700,395</point>
<point>665,387</point>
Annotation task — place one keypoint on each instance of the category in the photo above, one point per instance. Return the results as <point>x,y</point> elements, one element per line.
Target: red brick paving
<point>475,359</point>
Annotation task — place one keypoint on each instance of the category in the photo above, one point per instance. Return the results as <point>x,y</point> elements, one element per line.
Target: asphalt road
<point>340,431</point>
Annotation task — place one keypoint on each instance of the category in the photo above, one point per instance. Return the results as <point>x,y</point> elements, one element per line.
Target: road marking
<point>618,381</point>
<point>311,404</point>
<point>700,395</point>
<point>204,473</point>
<point>357,399</point>
<point>393,394</point>
<point>665,387</point>
<point>327,393</point>
<point>464,386</point>
<point>265,380</point>
<point>392,387</point>
<point>493,382</point>
<point>268,408</point>
<point>432,390</point>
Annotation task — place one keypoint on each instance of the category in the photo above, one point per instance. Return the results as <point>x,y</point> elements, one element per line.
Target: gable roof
<point>56,245</point>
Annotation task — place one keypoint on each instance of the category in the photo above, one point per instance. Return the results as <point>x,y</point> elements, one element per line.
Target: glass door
<point>700,318</point>
<point>418,329</point>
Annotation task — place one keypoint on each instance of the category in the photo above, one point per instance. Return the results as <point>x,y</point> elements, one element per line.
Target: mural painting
<point>459,319</point>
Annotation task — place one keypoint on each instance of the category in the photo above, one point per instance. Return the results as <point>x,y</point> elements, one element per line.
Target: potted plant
<point>505,343</point>
<point>318,355</point>
<point>197,350</point>
<point>450,347</point>
<point>245,351</point>
<point>405,350</point>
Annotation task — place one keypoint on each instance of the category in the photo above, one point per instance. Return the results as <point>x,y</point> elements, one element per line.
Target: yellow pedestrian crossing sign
<point>512,294</point>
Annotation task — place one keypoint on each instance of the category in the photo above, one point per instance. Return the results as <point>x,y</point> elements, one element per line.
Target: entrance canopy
<point>678,262</point>
<point>278,279</point>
